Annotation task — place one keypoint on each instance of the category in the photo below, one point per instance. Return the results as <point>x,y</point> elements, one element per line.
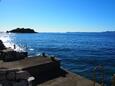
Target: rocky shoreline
<point>9,54</point>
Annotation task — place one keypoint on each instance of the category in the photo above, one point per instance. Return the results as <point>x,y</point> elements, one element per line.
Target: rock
<point>8,54</point>
<point>2,45</point>
<point>13,55</point>
<point>113,80</point>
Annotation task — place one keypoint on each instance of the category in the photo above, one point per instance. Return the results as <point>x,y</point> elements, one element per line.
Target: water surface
<point>79,52</point>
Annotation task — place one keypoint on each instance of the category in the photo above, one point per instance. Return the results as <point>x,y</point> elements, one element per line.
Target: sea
<point>83,53</point>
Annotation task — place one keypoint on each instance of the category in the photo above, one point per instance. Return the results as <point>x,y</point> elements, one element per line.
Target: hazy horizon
<point>68,32</point>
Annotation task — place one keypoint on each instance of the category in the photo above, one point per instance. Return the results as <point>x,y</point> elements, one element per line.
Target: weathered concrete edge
<point>79,76</point>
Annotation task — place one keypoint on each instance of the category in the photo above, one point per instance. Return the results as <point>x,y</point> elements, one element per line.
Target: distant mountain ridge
<point>22,30</point>
<point>109,32</point>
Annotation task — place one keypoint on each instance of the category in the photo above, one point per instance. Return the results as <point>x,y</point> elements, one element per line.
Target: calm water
<point>79,52</point>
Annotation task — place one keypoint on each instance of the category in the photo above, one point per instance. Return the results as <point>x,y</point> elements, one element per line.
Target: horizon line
<point>68,32</point>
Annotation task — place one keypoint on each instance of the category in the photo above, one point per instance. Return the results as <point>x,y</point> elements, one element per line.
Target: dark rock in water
<point>11,55</point>
<point>2,45</point>
<point>8,54</point>
<point>22,30</point>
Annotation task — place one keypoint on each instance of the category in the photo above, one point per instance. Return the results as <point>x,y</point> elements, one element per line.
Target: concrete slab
<point>70,79</point>
<point>25,63</point>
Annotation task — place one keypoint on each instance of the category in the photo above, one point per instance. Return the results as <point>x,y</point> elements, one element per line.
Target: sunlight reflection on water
<point>7,40</point>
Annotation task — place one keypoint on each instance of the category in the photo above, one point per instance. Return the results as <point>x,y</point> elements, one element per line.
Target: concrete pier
<point>70,79</point>
<point>47,72</point>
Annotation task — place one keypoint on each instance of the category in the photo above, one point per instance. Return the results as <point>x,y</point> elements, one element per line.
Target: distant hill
<point>109,32</point>
<point>22,30</point>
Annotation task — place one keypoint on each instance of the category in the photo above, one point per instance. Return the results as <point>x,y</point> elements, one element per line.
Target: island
<point>22,30</point>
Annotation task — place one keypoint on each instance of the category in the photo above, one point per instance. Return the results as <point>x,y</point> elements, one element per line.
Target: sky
<point>58,15</point>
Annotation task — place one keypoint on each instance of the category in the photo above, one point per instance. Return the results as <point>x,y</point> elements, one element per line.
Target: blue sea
<point>79,52</point>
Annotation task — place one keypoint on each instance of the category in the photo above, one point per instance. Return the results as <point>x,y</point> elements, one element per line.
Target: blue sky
<point>58,15</point>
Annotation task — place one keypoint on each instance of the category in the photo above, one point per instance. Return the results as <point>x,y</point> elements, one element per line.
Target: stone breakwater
<point>45,71</point>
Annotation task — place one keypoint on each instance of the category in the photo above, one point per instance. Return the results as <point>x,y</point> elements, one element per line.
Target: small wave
<point>31,49</point>
<point>7,40</point>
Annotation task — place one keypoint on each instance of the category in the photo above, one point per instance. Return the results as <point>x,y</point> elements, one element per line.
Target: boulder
<point>2,46</point>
